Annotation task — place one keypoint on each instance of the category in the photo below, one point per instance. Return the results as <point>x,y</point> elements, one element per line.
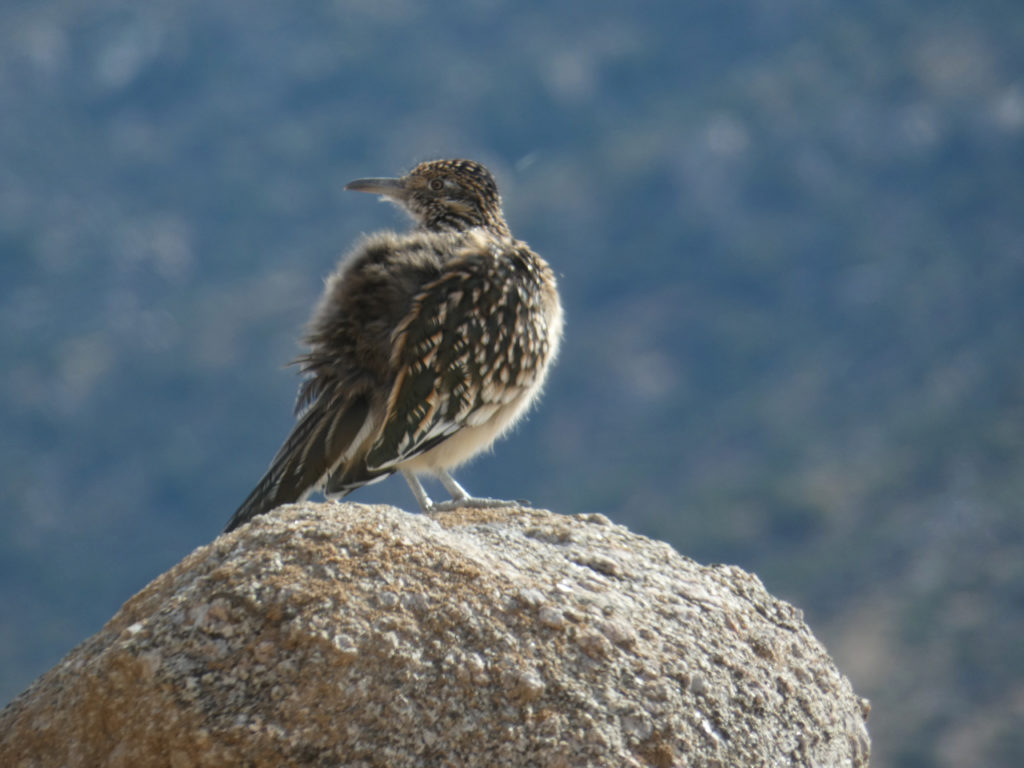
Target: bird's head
<point>443,195</point>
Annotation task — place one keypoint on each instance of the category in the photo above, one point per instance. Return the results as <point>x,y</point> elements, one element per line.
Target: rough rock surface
<point>347,635</point>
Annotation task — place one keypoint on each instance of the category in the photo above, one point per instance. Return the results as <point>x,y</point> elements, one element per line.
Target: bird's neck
<point>494,225</point>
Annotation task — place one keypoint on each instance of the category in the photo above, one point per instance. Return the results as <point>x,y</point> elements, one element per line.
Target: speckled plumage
<point>424,349</point>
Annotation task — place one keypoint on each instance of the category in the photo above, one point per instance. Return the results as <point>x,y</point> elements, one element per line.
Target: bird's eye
<point>436,184</point>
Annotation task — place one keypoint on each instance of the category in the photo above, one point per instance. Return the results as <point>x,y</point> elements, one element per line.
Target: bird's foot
<point>472,502</point>
<point>461,498</point>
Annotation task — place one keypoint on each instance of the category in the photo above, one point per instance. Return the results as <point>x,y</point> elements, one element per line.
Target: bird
<point>426,346</point>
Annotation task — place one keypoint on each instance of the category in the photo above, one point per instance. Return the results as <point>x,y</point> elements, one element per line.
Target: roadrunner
<point>424,349</point>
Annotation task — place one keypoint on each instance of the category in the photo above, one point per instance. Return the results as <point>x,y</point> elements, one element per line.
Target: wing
<point>432,394</point>
<point>451,354</point>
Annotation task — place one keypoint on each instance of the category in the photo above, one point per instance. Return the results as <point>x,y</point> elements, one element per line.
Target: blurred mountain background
<point>790,238</point>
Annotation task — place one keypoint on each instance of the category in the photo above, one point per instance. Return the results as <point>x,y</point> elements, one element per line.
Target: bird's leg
<point>461,498</point>
<point>426,505</point>
<point>452,486</point>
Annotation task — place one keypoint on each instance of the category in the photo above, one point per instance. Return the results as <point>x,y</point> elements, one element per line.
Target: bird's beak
<point>393,188</point>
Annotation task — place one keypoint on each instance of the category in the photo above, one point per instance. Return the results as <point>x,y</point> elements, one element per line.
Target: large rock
<point>340,634</point>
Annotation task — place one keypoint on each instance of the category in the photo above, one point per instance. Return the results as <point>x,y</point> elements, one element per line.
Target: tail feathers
<point>347,478</point>
<point>316,446</point>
